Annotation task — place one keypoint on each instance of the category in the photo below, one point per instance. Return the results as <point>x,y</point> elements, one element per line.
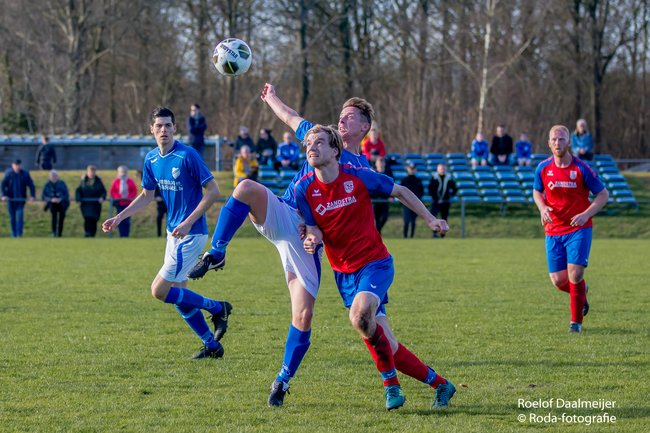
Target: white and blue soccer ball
<point>232,57</point>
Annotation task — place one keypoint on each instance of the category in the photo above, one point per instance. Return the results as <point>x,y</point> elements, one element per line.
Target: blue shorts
<point>571,248</point>
<point>375,277</point>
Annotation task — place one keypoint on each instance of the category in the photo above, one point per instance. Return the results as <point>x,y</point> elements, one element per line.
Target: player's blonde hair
<point>335,140</point>
<point>559,128</point>
<point>364,106</point>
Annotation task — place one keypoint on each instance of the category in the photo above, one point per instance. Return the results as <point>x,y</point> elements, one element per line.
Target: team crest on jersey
<point>573,174</point>
<point>176,172</point>
<point>348,185</point>
<point>549,173</point>
<point>316,193</point>
<point>550,185</point>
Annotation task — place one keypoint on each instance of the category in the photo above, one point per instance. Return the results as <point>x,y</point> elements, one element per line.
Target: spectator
<point>45,155</point>
<point>501,149</point>
<point>57,200</point>
<point>266,147</point>
<point>480,151</point>
<point>161,210</point>
<point>246,165</point>
<point>414,184</point>
<point>288,153</point>
<point>582,144</point>
<point>196,126</point>
<point>441,189</point>
<point>373,141</point>
<point>243,139</point>
<point>90,195</point>
<point>123,192</point>
<point>524,150</point>
<point>14,191</point>
<point>381,206</point>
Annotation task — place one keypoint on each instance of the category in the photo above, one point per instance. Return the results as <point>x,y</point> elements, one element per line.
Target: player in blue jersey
<point>180,174</point>
<point>277,219</point>
<point>335,201</point>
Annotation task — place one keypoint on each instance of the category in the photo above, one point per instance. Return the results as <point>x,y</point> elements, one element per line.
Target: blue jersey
<point>180,175</point>
<point>346,158</point>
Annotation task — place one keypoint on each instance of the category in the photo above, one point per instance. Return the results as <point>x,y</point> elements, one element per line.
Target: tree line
<point>437,71</point>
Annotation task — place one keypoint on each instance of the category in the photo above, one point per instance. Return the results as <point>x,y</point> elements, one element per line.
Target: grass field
<point>85,348</point>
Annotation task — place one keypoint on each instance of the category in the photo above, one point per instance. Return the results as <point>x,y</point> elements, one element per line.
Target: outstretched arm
<point>285,113</point>
<point>410,200</point>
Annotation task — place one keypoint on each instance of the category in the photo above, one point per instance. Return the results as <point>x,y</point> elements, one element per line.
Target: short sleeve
<point>302,129</point>
<point>303,205</point>
<point>198,168</point>
<point>376,183</point>
<point>537,182</point>
<point>591,179</point>
<point>148,180</point>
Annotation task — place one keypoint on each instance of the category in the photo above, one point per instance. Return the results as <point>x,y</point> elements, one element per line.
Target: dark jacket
<point>46,156</point>
<point>248,141</point>
<point>196,129</point>
<point>56,189</point>
<point>501,145</point>
<point>442,188</point>
<point>269,143</point>
<point>88,194</point>
<point>14,185</point>
<point>413,183</point>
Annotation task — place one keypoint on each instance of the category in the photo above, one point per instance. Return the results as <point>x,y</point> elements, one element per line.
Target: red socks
<point>565,287</point>
<point>409,364</point>
<point>578,297</point>
<point>379,348</point>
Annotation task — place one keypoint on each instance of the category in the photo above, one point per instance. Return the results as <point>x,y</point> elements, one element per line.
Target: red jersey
<point>567,192</point>
<point>343,212</point>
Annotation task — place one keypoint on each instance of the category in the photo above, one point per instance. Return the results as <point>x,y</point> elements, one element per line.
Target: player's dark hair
<point>197,106</point>
<point>162,112</point>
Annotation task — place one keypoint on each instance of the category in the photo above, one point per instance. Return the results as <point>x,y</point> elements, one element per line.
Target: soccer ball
<point>232,57</point>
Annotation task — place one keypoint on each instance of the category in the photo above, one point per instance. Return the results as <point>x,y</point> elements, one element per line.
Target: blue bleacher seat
<point>424,176</point>
<point>412,156</point>
<point>467,191</point>
<point>471,199</point>
<point>608,169</point>
<point>605,163</point>
<point>463,175</point>
<point>459,168</point>
<point>492,199</point>
<point>456,156</point>
<point>622,193</point>
<point>603,157</point>
<point>488,184</point>
<point>617,185</point>
<point>500,168</point>
<point>399,174</point>
<point>287,174</point>
<point>490,192</point>
<point>510,184</point>
<point>524,168</point>
<point>506,175</point>
<point>432,164</point>
<point>484,175</point>
<point>460,184</point>
<point>436,156</point>
<point>613,177</point>
<point>527,184</point>
<point>482,168</point>
<point>526,176</point>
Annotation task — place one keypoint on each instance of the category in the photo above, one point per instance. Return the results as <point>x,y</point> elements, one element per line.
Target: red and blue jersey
<point>343,212</point>
<point>567,192</point>
<point>346,158</point>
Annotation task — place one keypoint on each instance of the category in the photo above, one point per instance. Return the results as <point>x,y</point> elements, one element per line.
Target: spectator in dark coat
<point>266,147</point>
<point>45,155</point>
<point>14,191</point>
<point>90,195</point>
<point>441,189</point>
<point>413,183</point>
<point>57,200</point>
<point>243,139</point>
<point>196,126</point>
<point>501,148</point>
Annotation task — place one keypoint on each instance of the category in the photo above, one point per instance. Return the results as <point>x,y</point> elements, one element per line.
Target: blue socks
<point>294,350</point>
<point>231,217</point>
<point>190,304</point>
<point>195,319</point>
<point>189,299</point>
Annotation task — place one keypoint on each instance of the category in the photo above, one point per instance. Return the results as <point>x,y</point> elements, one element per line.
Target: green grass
<point>85,348</point>
<point>482,221</point>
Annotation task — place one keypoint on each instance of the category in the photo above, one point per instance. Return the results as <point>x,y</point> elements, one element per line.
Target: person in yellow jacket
<point>246,165</point>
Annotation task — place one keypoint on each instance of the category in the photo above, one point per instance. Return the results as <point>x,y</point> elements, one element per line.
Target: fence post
<point>217,152</point>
